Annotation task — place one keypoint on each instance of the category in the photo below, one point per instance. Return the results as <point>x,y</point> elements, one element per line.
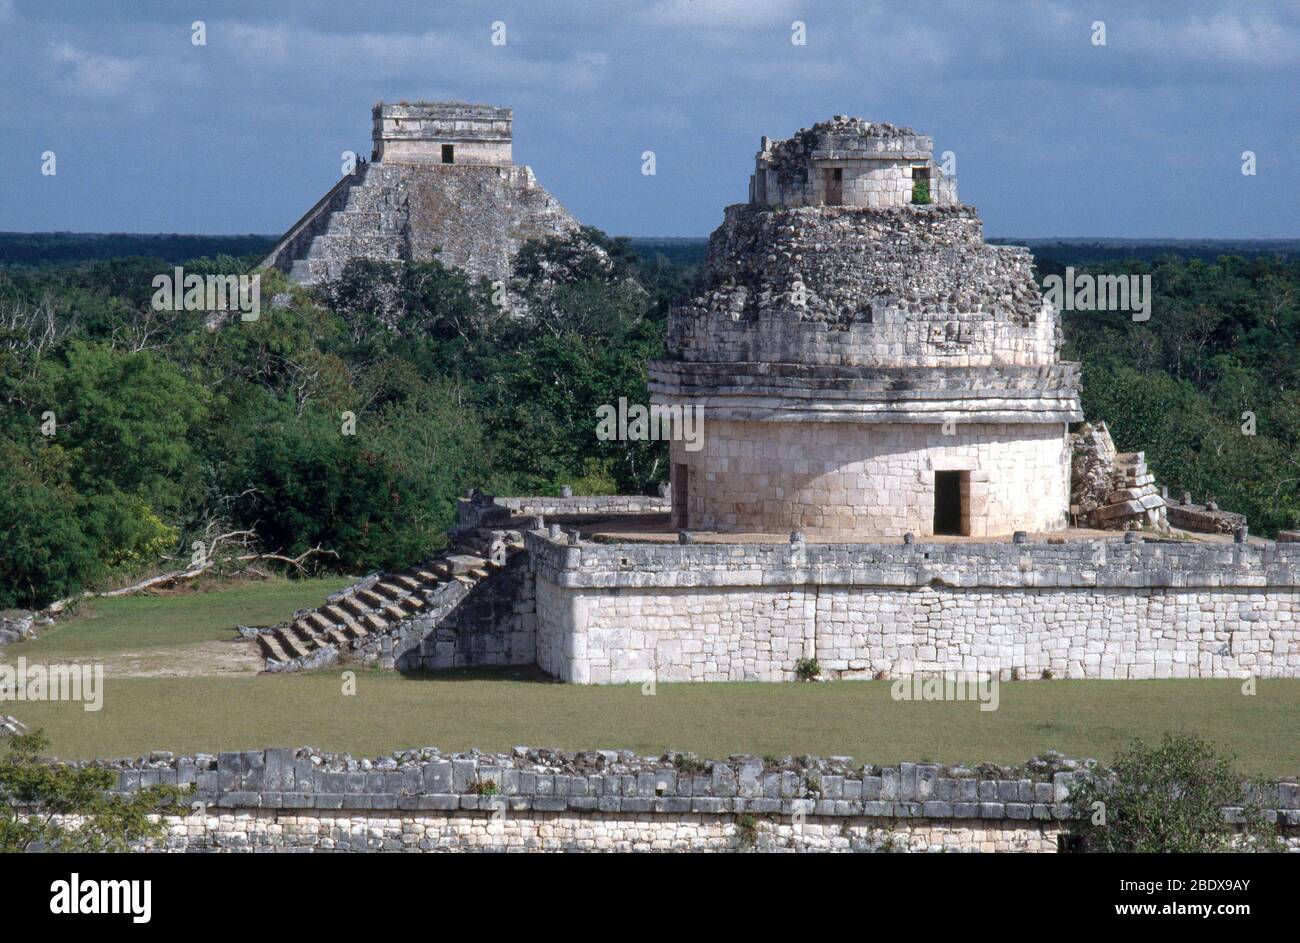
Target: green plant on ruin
<point>886,843</point>
<point>485,787</point>
<point>807,669</point>
<point>688,763</point>
<point>38,796</point>
<point>921,191</point>
<point>747,830</point>
<point>1170,798</point>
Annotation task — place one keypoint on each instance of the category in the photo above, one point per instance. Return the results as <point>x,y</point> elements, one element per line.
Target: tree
<point>37,797</point>
<point>1170,798</point>
<point>125,419</point>
<point>381,497</point>
<point>46,553</point>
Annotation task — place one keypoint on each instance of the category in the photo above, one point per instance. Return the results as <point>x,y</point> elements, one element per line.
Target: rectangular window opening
<point>449,153</point>
<point>921,185</point>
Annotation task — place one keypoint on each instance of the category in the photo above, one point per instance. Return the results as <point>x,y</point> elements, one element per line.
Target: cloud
<point>87,73</point>
<point>463,59</point>
<point>1255,40</point>
<point>721,14</point>
<point>1021,96</point>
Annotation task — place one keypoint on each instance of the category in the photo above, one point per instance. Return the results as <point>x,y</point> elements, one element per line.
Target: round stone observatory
<point>866,364</point>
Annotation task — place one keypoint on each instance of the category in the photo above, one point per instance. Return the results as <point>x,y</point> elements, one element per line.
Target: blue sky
<point>1053,135</point>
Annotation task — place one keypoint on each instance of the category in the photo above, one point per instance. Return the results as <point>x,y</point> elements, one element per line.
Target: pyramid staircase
<point>370,224</point>
<point>377,605</point>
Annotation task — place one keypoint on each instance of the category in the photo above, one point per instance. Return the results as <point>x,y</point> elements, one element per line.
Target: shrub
<point>1169,798</point>
<point>807,669</point>
<point>34,794</point>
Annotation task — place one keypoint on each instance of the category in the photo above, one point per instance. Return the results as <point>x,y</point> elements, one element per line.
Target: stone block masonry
<point>543,800</point>
<point>848,161</point>
<point>611,613</point>
<point>472,217</point>
<point>838,479</point>
<point>621,613</point>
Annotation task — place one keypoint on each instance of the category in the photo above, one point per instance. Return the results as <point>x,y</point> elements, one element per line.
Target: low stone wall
<point>421,800</point>
<point>485,510</point>
<point>611,613</point>
<point>1204,519</point>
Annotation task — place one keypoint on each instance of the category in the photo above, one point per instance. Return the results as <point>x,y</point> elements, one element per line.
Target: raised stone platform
<point>1082,608</point>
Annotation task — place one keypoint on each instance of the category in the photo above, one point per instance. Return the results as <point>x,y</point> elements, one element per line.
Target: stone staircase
<point>359,616</point>
<point>370,224</point>
<point>1135,494</point>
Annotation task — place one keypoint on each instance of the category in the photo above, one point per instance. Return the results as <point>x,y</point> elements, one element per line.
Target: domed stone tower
<point>867,365</point>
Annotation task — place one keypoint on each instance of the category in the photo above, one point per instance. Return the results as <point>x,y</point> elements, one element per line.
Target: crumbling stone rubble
<point>1111,490</point>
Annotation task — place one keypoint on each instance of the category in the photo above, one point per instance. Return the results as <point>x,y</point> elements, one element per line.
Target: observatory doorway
<point>835,186</point>
<point>677,485</point>
<point>950,513</point>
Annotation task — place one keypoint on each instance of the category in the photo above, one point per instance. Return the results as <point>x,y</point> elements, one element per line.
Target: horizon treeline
<point>350,418</point>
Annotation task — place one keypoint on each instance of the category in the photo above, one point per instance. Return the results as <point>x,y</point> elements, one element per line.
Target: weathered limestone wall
<point>585,504</point>
<point>486,510</point>
<point>1085,609</point>
<point>707,634</point>
<point>430,152</point>
<point>269,830</point>
<point>868,183</point>
<point>421,800</point>
<point>1072,633</point>
<point>415,133</point>
<point>840,478</point>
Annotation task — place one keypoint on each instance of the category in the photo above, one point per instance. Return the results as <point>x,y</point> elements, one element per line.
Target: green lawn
<point>499,710</point>
<point>103,626</point>
<point>858,718</point>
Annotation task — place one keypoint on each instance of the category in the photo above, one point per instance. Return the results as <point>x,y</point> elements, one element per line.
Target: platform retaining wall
<point>422,800</point>
<point>614,613</point>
